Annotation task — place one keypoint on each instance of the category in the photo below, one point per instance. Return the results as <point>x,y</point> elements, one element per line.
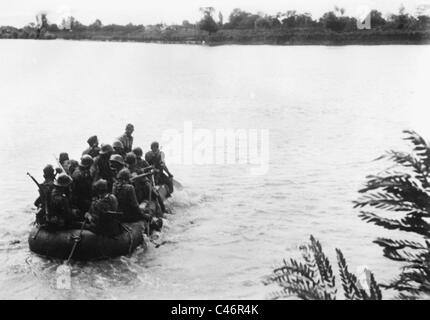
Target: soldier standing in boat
<point>93,149</point>
<point>82,185</point>
<point>127,138</point>
<point>101,167</point>
<point>103,216</point>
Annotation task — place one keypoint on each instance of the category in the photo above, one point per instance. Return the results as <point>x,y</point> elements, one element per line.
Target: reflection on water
<point>330,111</point>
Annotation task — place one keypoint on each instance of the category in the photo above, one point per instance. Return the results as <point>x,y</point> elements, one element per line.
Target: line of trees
<point>335,20</point>
<point>239,21</point>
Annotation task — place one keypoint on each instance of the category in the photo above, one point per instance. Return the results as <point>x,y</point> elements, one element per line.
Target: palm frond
<point>313,279</point>
<point>406,192</point>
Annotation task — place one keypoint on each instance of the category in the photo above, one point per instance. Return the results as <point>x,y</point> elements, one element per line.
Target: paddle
<point>77,240</point>
<point>59,163</point>
<point>64,270</point>
<point>177,184</point>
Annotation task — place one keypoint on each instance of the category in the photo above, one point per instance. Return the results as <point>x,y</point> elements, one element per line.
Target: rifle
<point>141,175</point>
<point>42,193</point>
<point>35,181</point>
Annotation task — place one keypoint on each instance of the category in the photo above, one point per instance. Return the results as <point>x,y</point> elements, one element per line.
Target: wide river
<point>329,112</point>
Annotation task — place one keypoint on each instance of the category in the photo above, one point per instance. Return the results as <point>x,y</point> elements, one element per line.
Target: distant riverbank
<point>234,36</point>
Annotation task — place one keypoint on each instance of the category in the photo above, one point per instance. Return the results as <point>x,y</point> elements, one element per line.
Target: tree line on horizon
<point>333,21</point>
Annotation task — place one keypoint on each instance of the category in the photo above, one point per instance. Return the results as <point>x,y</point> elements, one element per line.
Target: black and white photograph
<point>208,150</point>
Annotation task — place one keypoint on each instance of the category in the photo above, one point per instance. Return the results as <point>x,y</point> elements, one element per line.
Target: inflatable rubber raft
<point>91,246</point>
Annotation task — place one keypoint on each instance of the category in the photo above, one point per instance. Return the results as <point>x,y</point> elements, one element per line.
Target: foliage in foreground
<point>403,191</point>
<point>402,194</point>
<point>313,278</point>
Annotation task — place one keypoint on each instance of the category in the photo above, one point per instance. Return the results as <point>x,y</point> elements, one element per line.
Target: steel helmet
<point>63,180</point>
<point>117,158</point>
<point>138,151</point>
<point>118,144</point>
<point>106,148</point>
<point>130,158</point>
<point>86,161</point>
<point>64,156</point>
<point>48,171</point>
<point>124,174</point>
<point>100,186</point>
<point>92,140</point>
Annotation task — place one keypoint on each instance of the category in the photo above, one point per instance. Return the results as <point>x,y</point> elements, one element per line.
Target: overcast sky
<point>20,12</point>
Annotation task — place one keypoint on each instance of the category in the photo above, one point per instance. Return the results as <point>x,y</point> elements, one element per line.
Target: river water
<point>329,112</point>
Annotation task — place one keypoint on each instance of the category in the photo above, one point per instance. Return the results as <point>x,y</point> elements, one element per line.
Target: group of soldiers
<point>105,188</point>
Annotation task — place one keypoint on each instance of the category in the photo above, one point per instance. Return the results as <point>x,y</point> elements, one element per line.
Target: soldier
<point>103,216</point>
<point>43,201</point>
<point>116,163</point>
<point>118,148</point>
<point>101,166</point>
<point>140,163</point>
<point>127,138</point>
<point>65,163</point>
<point>143,185</point>
<point>131,163</point>
<point>63,158</point>
<point>155,158</point>
<point>60,214</point>
<point>82,184</point>
<point>126,195</point>
<point>93,149</point>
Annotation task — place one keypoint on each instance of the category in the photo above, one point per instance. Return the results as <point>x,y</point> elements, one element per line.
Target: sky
<point>20,12</point>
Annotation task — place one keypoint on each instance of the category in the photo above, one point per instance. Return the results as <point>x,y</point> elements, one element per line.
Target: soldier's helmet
<point>138,151</point>
<point>124,175</point>
<point>130,158</point>
<point>92,140</point>
<point>118,144</point>
<point>117,158</point>
<point>100,186</point>
<point>48,171</point>
<point>106,148</point>
<point>63,180</point>
<point>64,156</point>
<point>86,161</point>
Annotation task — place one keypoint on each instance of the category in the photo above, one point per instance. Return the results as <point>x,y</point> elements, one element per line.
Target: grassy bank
<point>225,36</point>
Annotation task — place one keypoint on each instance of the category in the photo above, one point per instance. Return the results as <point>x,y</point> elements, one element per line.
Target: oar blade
<point>177,185</point>
<point>64,276</point>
